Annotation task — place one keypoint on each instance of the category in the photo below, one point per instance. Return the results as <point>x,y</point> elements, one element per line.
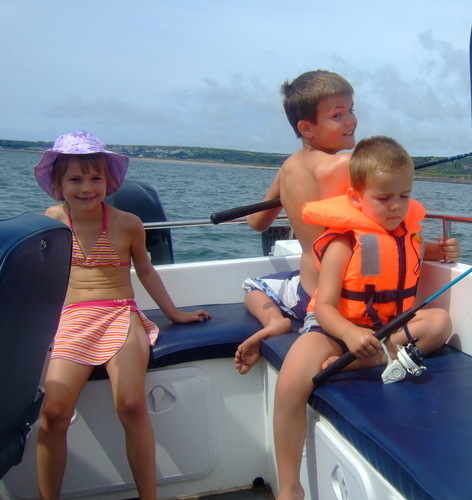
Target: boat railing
<point>446,222</point>
<point>445,218</point>
<point>196,222</point>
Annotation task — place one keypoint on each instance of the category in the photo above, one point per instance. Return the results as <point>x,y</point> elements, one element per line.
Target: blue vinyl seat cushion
<point>417,433</point>
<point>218,337</point>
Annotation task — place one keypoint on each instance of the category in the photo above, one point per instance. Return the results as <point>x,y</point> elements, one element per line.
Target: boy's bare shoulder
<point>314,166</point>
<point>296,167</point>
<point>313,161</point>
<point>332,165</point>
<point>296,161</point>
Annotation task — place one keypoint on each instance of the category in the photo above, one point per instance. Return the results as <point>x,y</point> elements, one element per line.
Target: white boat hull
<point>213,427</point>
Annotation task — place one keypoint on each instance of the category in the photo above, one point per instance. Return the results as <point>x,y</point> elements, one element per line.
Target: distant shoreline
<point>209,163</point>
<point>214,163</point>
<point>451,180</point>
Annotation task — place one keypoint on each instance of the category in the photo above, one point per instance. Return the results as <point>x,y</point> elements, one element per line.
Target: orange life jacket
<point>381,278</point>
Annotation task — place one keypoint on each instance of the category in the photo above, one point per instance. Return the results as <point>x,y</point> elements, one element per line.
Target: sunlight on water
<point>194,191</point>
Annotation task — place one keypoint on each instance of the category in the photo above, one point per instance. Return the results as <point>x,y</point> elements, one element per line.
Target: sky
<point>208,72</point>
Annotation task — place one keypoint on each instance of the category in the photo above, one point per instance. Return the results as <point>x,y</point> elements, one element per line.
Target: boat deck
<point>262,492</point>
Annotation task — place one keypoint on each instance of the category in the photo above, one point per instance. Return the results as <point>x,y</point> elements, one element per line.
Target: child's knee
<point>56,416</point>
<point>437,326</point>
<point>293,390</point>
<point>290,397</point>
<point>130,408</point>
<point>254,296</point>
<point>444,324</point>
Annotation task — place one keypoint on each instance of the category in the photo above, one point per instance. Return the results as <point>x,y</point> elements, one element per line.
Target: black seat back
<point>35,254</point>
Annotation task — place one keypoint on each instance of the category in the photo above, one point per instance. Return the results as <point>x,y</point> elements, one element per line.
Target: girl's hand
<point>191,316</point>
<point>362,342</point>
<point>450,249</point>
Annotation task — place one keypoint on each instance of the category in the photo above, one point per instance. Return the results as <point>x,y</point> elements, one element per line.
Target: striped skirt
<point>91,333</point>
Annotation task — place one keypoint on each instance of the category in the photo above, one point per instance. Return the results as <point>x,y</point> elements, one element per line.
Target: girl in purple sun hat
<point>100,323</point>
<point>79,143</point>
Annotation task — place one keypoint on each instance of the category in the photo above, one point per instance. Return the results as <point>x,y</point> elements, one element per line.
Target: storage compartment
<point>178,401</point>
<point>342,473</point>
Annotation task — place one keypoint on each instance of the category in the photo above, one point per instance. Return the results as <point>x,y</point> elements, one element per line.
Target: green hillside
<point>458,170</point>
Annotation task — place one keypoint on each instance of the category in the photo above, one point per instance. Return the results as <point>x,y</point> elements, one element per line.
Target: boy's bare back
<point>307,176</point>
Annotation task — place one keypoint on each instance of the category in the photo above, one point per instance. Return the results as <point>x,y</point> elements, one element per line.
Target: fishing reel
<point>409,361</point>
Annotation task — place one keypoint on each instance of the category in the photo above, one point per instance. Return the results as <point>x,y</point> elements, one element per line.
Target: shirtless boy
<point>319,107</point>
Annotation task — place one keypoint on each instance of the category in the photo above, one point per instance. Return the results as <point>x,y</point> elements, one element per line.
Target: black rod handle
<point>237,212</point>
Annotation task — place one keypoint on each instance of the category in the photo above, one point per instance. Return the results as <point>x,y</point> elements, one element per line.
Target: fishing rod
<point>385,331</point>
<point>237,212</point>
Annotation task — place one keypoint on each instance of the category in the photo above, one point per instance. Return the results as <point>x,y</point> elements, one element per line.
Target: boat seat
<point>219,337</point>
<point>34,270</point>
<point>416,433</point>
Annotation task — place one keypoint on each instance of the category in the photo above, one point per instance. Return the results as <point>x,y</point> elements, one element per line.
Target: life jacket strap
<point>370,309</point>
<point>379,296</point>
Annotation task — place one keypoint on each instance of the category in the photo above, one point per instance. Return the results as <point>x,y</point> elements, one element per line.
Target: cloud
<point>239,114</point>
<point>428,111</point>
<point>102,110</point>
<point>424,105</point>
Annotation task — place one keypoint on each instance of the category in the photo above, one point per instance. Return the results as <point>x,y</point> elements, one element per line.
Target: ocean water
<point>190,191</point>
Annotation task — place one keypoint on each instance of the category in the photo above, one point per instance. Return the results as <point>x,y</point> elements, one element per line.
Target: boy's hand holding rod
<point>385,331</point>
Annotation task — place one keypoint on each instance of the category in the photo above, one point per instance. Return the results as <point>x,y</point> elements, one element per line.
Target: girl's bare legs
<point>432,327</point>
<point>294,386</point>
<point>63,383</point>
<point>274,323</point>
<point>127,371</point>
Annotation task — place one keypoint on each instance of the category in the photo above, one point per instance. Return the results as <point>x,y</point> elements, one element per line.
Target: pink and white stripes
<point>91,333</point>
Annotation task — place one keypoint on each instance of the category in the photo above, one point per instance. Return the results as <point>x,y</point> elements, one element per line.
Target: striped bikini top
<point>102,254</point>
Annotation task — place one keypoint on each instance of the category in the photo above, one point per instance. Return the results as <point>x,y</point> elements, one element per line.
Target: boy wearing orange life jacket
<point>369,262</point>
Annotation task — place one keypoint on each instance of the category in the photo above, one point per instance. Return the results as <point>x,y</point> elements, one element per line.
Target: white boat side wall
<point>210,425</point>
<point>211,282</point>
<point>456,300</point>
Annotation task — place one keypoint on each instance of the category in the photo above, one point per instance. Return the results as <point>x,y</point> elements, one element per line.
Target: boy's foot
<point>247,355</point>
<point>248,352</point>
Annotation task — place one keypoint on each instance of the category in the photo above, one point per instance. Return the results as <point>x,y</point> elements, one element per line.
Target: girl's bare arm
<point>152,282</point>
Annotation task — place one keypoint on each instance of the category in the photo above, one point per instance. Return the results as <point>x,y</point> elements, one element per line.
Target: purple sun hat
<point>79,143</point>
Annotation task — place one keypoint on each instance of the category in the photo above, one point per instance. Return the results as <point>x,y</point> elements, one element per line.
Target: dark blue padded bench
<point>219,337</point>
<point>416,433</point>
